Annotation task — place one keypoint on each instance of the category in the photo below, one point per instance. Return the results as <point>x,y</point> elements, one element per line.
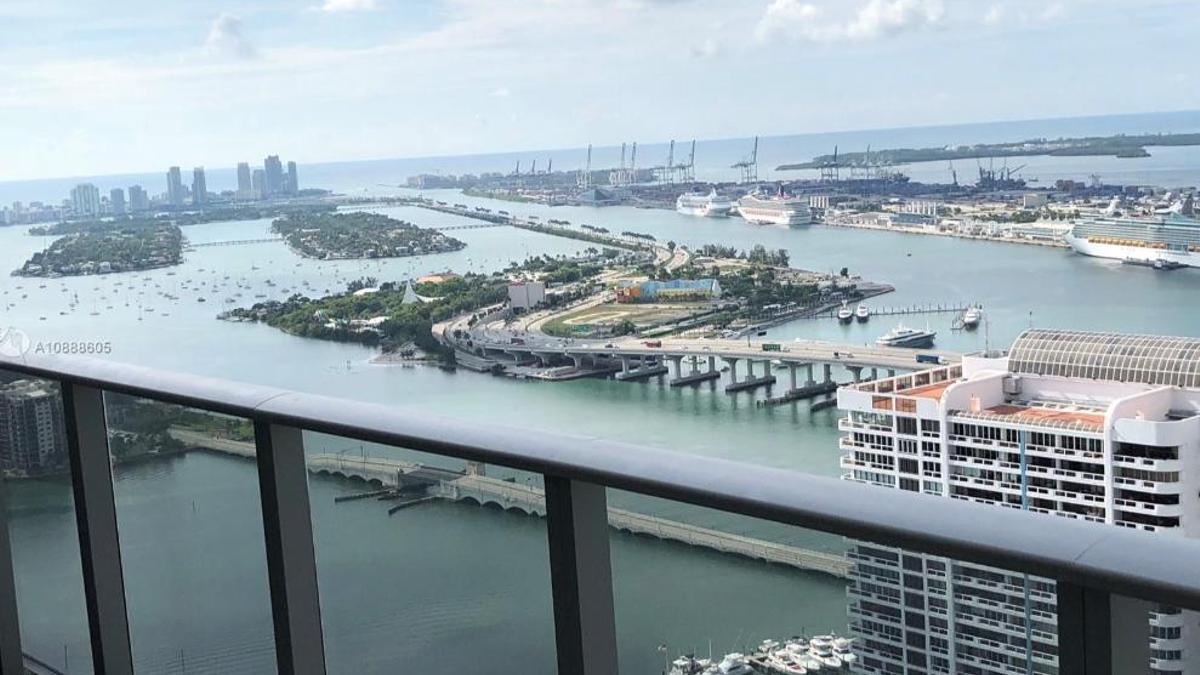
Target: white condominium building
<point>1095,426</point>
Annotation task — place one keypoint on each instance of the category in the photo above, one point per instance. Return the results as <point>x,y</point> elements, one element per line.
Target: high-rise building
<point>1100,427</point>
<point>199,186</point>
<point>245,188</point>
<point>32,436</point>
<point>116,201</point>
<point>138,200</point>
<point>293,179</point>
<point>273,170</point>
<point>258,183</point>
<point>174,187</point>
<point>85,200</point>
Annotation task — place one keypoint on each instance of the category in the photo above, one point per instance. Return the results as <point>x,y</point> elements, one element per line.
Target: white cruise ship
<point>778,210</point>
<point>711,205</point>
<point>1170,240</point>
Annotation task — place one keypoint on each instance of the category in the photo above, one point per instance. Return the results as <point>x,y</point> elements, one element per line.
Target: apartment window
<point>931,426</point>
<point>910,484</point>
<point>908,466</point>
<point>906,425</point>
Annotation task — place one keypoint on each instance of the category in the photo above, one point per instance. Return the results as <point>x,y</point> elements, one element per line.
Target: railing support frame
<point>581,577</point>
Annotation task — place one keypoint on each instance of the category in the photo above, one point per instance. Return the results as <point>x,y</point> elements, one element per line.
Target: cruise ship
<point>711,205</point>
<point>1168,241</point>
<point>776,210</point>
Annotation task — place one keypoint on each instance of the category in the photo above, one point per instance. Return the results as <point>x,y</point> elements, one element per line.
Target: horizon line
<point>233,165</point>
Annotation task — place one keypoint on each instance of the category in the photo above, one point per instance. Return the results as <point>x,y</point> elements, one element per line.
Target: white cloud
<point>796,20</point>
<point>225,38</point>
<point>1024,14</point>
<point>501,92</point>
<point>349,5</point>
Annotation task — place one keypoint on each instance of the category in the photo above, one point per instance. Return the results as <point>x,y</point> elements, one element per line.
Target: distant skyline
<point>93,89</point>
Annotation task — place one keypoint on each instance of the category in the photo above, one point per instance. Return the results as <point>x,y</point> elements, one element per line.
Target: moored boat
<point>844,313</point>
<point>711,205</point>
<point>902,336</point>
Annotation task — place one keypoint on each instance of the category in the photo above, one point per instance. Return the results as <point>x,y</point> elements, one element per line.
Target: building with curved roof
<point>1103,427</point>
<point>1117,357</point>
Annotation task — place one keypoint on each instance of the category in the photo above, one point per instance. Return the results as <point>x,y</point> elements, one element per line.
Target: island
<point>117,247</point>
<point>340,236</point>
<point>219,215</point>
<point>398,317</point>
<point>1121,145</point>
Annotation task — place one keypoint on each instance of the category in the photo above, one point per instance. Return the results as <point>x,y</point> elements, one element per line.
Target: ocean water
<point>450,587</point>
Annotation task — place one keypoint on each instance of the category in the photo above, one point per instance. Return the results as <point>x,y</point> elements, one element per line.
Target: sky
<point>91,88</point>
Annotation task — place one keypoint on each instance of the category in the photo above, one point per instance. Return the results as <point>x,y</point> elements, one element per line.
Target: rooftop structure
<point>1146,359</point>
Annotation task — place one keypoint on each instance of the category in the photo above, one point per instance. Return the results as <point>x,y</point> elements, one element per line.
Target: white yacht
<point>972,317</point>
<point>844,313</point>
<point>732,664</point>
<point>777,210</point>
<point>689,665</point>
<point>711,205</point>
<point>862,313</point>
<point>902,336</point>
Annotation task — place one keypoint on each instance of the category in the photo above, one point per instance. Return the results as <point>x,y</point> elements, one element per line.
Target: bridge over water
<point>234,242</point>
<point>484,490</point>
<point>688,361</point>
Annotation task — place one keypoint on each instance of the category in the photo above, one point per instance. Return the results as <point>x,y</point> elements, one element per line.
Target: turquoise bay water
<point>446,587</point>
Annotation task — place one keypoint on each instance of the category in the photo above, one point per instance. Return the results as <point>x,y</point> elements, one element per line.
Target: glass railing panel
<point>189,518</point>
<point>41,524</point>
<point>428,564</point>
<point>696,583</point>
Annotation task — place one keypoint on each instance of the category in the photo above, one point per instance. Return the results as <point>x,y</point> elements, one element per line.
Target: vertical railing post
<point>96,520</point>
<point>581,577</point>
<point>291,558</point>
<point>12,660</point>
<point>1084,630</point>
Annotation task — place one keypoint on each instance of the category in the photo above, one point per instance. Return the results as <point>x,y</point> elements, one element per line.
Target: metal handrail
<point>1118,560</point>
<point>1093,565</point>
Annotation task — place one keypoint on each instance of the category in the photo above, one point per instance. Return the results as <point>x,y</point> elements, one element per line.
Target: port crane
<point>831,169</point>
<point>749,165</point>
<point>677,173</point>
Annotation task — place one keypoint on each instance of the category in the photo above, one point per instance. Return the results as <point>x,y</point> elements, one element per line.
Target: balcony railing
<point>1091,563</point>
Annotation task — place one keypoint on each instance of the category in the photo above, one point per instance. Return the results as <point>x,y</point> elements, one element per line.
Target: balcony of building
<point>573,494</point>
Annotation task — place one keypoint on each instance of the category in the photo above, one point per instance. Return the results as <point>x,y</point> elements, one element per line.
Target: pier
<point>392,475</point>
<point>920,308</point>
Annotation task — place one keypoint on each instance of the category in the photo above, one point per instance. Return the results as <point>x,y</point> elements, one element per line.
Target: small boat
<point>862,313</point>
<point>844,313</point>
<point>689,665</point>
<point>972,317</point>
<point>732,664</point>
<point>902,336</point>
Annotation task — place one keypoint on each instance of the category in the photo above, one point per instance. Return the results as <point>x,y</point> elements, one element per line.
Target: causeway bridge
<point>234,242</point>
<point>486,490</point>
<point>473,486</point>
<point>809,364</point>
